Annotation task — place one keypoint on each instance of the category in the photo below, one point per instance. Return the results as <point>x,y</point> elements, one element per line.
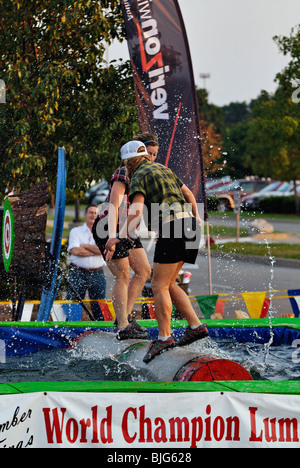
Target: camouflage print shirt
<point>161,189</point>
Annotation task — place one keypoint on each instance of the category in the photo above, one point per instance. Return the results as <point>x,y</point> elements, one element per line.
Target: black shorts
<point>121,251</point>
<point>179,243</point>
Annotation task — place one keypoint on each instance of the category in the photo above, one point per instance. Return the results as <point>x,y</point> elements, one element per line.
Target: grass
<point>284,250</point>
<point>278,250</point>
<point>256,214</point>
<point>225,231</point>
<point>288,251</point>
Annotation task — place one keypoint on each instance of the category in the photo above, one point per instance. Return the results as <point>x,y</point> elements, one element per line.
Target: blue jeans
<point>94,283</point>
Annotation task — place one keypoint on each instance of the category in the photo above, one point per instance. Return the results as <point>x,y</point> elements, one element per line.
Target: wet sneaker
<point>131,332</point>
<point>158,347</point>
<point>191,335</point>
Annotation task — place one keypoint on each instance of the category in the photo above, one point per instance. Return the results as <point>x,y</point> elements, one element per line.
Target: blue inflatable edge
<point>22,340</point>
<point>48,295</point>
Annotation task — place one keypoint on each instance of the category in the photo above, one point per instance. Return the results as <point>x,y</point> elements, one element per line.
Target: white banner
<point>150,420</point>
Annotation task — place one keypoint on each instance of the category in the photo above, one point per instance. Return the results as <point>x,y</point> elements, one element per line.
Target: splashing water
<point>70,365</point>
<point>271,293</point>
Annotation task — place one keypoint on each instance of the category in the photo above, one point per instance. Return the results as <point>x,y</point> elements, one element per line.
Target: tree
<point>274,131</point>
<point>228,127</point>
<point>210,113</point>
<point>60,92</point>
<point>235,144</point>
<point>212,149</point>
<point>211,124</point>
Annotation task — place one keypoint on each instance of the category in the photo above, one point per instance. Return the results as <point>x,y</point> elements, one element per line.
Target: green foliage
<point>213,203</point>
<point>279,205</point>
<point>263,138</point>
<point>231,123</point>
<point>60,91</point>
<point>274,130</point>
<point>274,136</point>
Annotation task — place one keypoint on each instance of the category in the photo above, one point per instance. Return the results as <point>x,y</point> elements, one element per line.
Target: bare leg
<point>121,272</point>
<point>163,275</point>
<point>181,301</point>
<point>166,291</point>
<point>139,263</point>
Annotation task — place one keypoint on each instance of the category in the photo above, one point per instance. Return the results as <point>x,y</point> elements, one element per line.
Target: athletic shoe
<point>134,324</point>
<point>137,326</point>
<point>131,332</point>
<point>191,335</point>
<point>158,347</point>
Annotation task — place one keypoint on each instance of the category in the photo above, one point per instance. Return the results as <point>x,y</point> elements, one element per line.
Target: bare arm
<point>93,249</point>
<point>85,251</point>
<point>134,216</point>
<point>189,197</point>
<point>116,197</point>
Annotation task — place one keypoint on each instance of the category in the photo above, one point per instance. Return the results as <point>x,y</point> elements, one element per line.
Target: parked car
<point>251,201</point>
<point>214,184</point>
<point>245,186</point>
<point>98,193</point>
<point>218,189</point>
<point>285,191</point>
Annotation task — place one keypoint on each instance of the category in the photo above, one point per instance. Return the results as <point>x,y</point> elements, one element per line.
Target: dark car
<point>251,202</point>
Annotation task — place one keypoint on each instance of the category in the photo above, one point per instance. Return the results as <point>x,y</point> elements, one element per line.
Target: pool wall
<point>29,337</point>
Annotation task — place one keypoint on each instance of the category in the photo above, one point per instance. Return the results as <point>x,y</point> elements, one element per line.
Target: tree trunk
<point>77,211</point>
<point>30,219</point>
<point>296,197</point>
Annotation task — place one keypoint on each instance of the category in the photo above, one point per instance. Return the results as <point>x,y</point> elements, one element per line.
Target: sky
<point>232,41</point>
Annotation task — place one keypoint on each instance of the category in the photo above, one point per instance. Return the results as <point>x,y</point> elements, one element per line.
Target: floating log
<point>29,211</point>
<point>176,364</point>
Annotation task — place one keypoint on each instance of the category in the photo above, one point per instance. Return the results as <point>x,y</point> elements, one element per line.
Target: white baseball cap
<point>130,150</point>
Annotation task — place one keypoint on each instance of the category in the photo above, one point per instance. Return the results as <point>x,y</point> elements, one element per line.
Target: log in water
<point>176,364</point>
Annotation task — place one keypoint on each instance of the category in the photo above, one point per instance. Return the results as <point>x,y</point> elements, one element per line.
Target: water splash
<point>271,295</point>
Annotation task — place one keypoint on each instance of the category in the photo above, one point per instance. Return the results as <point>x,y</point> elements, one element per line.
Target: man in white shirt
<point>86,263</point>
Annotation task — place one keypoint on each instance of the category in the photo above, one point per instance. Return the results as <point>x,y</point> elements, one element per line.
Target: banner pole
<point>197,122</point>
<point>165,88</point>
<point>209,257</point>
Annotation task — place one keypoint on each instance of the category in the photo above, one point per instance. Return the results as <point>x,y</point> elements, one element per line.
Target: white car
<point>286,190</point>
